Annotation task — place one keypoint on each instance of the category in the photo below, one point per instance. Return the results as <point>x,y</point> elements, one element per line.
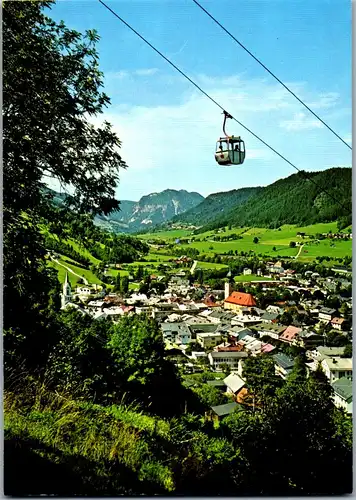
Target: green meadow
<point>271,242</point>
<point>249,278</point>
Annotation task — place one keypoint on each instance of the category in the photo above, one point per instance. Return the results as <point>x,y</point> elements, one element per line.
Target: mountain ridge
<point>301,198</point>
<point>297,199</point>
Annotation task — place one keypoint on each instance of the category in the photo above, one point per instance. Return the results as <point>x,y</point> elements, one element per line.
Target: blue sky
<point>168,129</point>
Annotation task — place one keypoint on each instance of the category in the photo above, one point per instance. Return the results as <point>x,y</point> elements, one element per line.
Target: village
<point>218,331</point>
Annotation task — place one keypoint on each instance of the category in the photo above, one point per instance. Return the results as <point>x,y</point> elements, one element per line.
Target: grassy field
<point>250,277</point>
<point>166,235</point>
<point>79,270</point>
<point>271,242</point>
<point>83,251</point>
<point>330,248</point>
<point>210,265</point>
<point>268,239</point>
<point>62,273</point>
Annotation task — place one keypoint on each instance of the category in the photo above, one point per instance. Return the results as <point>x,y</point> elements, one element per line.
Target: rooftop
<point>337,321</point>
<point>234,382</point>
<point>327,310</point>
<point>283,360</point>
<point>234,354</point>
<point>337,363</point>
<point>330,351</point>
<point>206,335</point>
<point>343,388</point>
<point>241,299</point>
<point>226,409</point>
<point>269,316</point>
<point>290,333</point>
<point>216,383</point>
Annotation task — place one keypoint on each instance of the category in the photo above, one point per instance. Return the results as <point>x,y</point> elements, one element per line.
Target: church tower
<point>66,295</point>
<point>227,290</point>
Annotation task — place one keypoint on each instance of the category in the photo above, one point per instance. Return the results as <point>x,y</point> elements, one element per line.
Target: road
<point>193,267</point>
<point>300,249</point>
<point>86,282</point>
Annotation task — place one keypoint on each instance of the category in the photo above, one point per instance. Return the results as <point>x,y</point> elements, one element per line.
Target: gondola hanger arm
<point>226,115</point>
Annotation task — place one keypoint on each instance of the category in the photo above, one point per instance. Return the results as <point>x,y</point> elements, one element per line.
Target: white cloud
<point>123,74</point>
<point>146,72</point>
<point>325,101</point>
<point>348,138</point>
<point>173,145</point>
<point>300,121</point>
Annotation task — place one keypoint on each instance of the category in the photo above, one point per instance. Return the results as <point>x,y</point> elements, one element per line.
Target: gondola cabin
<point>230,150</point>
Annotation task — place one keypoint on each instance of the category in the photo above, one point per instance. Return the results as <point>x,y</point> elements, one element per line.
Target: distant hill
<point>151,210</point>
<point>293,200</point>
<point>216,205</point>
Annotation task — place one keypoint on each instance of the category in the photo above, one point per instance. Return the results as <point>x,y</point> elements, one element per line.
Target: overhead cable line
<point>272,74</point>
<point>221,107</point>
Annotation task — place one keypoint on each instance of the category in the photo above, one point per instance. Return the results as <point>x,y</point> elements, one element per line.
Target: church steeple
<point>67,291</point>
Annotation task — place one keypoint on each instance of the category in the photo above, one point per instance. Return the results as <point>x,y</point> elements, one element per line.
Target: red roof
<point>235,348</point>
<point>241,299</point>
<point>337,321</point>
<point>290,333</point>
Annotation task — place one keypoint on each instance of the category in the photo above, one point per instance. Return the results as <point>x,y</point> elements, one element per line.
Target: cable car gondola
<point>230,150</point>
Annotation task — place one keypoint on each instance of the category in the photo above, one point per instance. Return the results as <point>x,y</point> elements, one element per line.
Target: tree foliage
<point>51,85</point>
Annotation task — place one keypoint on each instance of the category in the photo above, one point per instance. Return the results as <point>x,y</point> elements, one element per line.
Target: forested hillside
<point>294,200</point>
<point>216,205</point>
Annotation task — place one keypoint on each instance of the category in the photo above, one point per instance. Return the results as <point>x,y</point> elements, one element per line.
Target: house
<point>198,355</point>
<point>176,333</point>
<point>275,309</point>
<point>228,348</point>
<point>338,323</point>
<point>237,333</point>
<point>276,269</point>
<point>266,348</point>
<point>329,352</point>
<point>245,321</point>
<point>269,317</point>
<point>234,383</point>
<point>96,303</point>
<point>175,355</point>
<point>238,300</point>
<point>247,271</point>
<point>290,334</point>
<point>251,344</point>
<point>201,328</point>
<point>343,394</point>
<point>221,411</point>
<point>232,359</point>
<point>309,339</point>
<point>336,368</point>
<point>220,316</point>
<point>326,314</point>
<point>208,339</point>
<point>84,290</point>
<point>283,364</point>
<point>271,330</point>
<point>114,313</point>
<point>318,354</point>
<point>218,383</point>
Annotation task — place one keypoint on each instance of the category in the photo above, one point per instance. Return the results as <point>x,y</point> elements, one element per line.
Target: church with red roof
<point>237,301</point>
